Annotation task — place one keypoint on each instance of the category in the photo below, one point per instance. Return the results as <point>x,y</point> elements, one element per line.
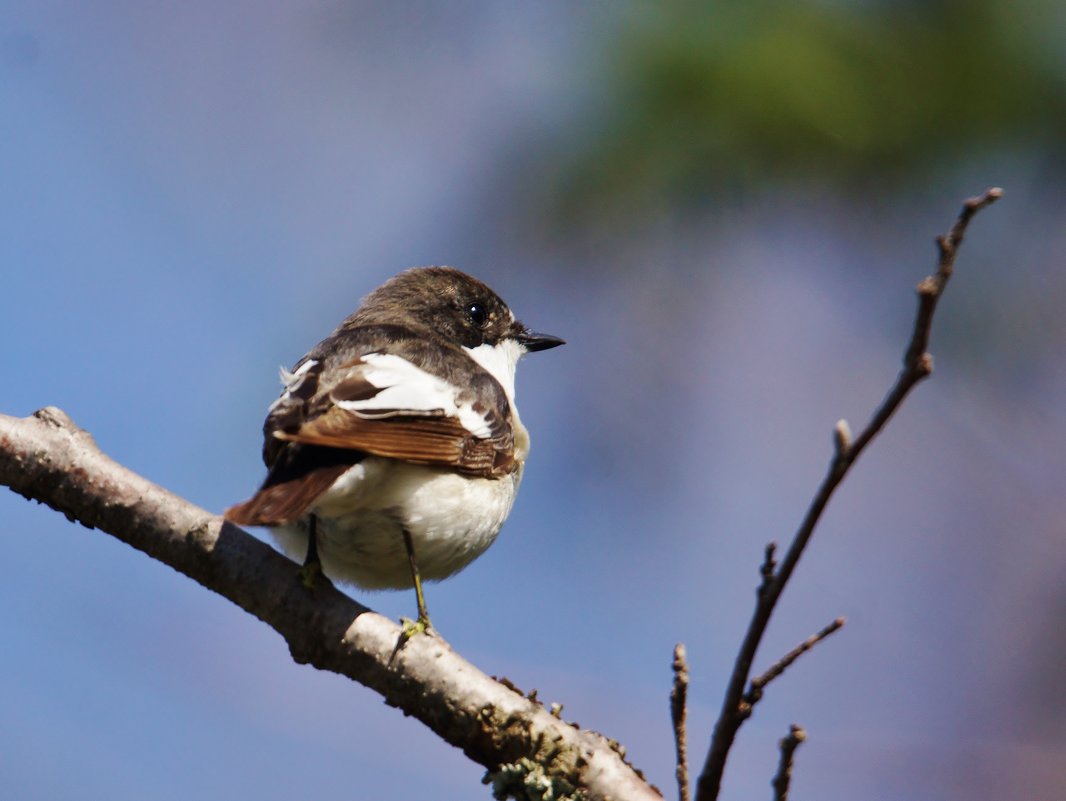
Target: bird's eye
<point>477,313</point>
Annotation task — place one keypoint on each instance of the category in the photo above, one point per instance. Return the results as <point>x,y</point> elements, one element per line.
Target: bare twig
<point>47,458</point>
<point>769,564</point>
<point>917,365</point>
<point>788,745</point>
<point>754,693</point>
<point>678,713</point>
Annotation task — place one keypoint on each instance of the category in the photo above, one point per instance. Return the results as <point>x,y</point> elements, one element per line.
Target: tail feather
<point>284,502</point>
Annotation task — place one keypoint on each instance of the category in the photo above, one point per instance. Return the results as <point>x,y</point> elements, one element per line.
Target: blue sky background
<point>195,194</point>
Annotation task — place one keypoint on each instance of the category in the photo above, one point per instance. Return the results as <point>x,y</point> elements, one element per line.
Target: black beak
<point>532,341</point>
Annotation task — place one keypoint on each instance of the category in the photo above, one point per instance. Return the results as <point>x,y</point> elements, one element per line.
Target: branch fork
<point>738,702</point>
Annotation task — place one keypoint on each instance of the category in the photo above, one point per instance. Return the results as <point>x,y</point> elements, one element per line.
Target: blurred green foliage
<point>699,96</point>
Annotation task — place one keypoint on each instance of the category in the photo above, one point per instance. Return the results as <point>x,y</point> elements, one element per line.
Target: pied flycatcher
<point>398,436</point>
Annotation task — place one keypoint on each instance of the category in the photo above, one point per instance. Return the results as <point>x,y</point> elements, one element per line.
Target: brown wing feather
<point>309,442</point>
<point>423,440</point>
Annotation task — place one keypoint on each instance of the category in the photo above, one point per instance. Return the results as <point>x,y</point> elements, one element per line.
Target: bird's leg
<point>312,567</point>
<point>422,624</point>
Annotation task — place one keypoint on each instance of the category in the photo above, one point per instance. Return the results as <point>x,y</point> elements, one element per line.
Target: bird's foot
<point>309,573</point>
<point>413,627</point>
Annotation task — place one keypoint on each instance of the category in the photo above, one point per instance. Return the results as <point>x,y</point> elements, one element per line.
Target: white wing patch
<point>405,388</point>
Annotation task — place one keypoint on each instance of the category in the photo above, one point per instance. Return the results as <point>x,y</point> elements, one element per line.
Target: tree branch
<point>678,714</point>
<point>917,365</point>
<point>788,745</point>
<point>758,684</point>
<point>48,459</point>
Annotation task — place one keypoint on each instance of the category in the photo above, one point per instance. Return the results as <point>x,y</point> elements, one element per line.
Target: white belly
<point>452,520</point>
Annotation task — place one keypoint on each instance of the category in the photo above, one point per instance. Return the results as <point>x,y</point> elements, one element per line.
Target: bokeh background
<point>723,207</point>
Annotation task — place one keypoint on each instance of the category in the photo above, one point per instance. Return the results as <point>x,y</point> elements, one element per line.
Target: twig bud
<point>842,437</point>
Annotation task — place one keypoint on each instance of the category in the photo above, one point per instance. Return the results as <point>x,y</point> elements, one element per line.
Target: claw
<point>413,627</point>
<point>309,573</point>
<point>410,628</point>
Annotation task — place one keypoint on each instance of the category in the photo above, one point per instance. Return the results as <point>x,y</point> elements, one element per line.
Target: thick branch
<point>47,458</point>
<point>917,365</point>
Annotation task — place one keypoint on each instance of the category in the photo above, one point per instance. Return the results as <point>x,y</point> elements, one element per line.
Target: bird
<point>395,450</point>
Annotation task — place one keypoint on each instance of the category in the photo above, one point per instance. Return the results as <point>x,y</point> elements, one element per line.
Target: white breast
<point>499,361</point>
<point>452,520</point>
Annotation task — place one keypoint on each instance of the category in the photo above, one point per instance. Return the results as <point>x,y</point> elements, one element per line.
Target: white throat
<point>500,361</point>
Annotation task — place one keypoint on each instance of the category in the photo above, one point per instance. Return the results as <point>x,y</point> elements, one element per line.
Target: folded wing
<point>379,404</point>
